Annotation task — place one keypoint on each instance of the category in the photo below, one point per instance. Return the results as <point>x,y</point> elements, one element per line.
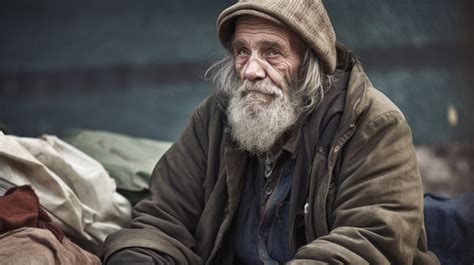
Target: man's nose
<point>254,70</point>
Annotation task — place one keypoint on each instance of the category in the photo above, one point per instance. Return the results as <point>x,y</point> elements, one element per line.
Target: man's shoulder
<point>364,102</point>
<point>379,104</point>
<point>211,111</point>
<point>373,103</point>
<point>208,106</point>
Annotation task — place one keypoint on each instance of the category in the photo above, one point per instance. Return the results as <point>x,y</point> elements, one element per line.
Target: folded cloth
<point>129,160</point>
<point>4,186</point>
<point>74,189</point>
<point>20,207</point>
<point>35,246</point>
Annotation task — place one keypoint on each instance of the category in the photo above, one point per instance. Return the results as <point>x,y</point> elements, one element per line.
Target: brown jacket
<point>364,202</point>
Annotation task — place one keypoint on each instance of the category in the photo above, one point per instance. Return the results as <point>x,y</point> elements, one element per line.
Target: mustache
<point>259,87</point>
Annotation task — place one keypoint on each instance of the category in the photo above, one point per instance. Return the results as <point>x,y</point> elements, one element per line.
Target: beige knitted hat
<point>308,18</point>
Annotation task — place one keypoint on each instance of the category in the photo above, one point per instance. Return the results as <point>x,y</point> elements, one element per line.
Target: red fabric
<point>20,207</point>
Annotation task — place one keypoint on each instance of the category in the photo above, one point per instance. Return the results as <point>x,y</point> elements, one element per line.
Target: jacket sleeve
<point>377,216</point>
<point>142,256</point>
<point>165,224</point>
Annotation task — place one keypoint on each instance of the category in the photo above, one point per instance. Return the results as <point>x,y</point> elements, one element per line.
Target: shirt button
<point>268,190</point>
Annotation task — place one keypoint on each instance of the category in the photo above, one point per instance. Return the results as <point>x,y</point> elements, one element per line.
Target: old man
<point>296,158</point>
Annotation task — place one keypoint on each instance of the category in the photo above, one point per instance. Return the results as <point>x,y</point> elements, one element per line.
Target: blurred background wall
<point>135,67</point>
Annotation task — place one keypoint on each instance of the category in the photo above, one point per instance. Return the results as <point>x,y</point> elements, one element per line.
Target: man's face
<point>265,51</point>
<point>267,57</point>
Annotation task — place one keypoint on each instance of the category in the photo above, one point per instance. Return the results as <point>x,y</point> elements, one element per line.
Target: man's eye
<point>242,51</point>
<point>274,53</point>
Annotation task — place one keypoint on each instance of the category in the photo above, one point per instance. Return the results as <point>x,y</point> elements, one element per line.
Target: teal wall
<point>136,67</point>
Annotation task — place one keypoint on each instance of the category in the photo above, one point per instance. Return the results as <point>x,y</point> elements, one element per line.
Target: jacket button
<point>268,191</point>
<point>336,149</point>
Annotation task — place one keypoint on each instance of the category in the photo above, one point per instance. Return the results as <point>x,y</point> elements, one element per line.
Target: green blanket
<point>129,160</point>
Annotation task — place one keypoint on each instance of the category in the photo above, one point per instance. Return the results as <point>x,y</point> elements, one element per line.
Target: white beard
<point>259,113</point>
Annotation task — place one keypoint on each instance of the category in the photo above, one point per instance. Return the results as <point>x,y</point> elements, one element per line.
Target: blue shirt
<point>262,232</point>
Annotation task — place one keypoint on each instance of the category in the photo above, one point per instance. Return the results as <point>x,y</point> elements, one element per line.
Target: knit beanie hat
<point>307,18</point>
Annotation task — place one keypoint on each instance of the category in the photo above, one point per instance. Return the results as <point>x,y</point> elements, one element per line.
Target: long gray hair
<point>310,82</point>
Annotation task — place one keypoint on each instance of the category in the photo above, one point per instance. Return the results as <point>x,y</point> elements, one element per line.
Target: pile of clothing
<point>64,201</point>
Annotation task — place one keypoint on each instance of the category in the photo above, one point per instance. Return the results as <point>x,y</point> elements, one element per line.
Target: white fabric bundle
<point>73,188</point>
